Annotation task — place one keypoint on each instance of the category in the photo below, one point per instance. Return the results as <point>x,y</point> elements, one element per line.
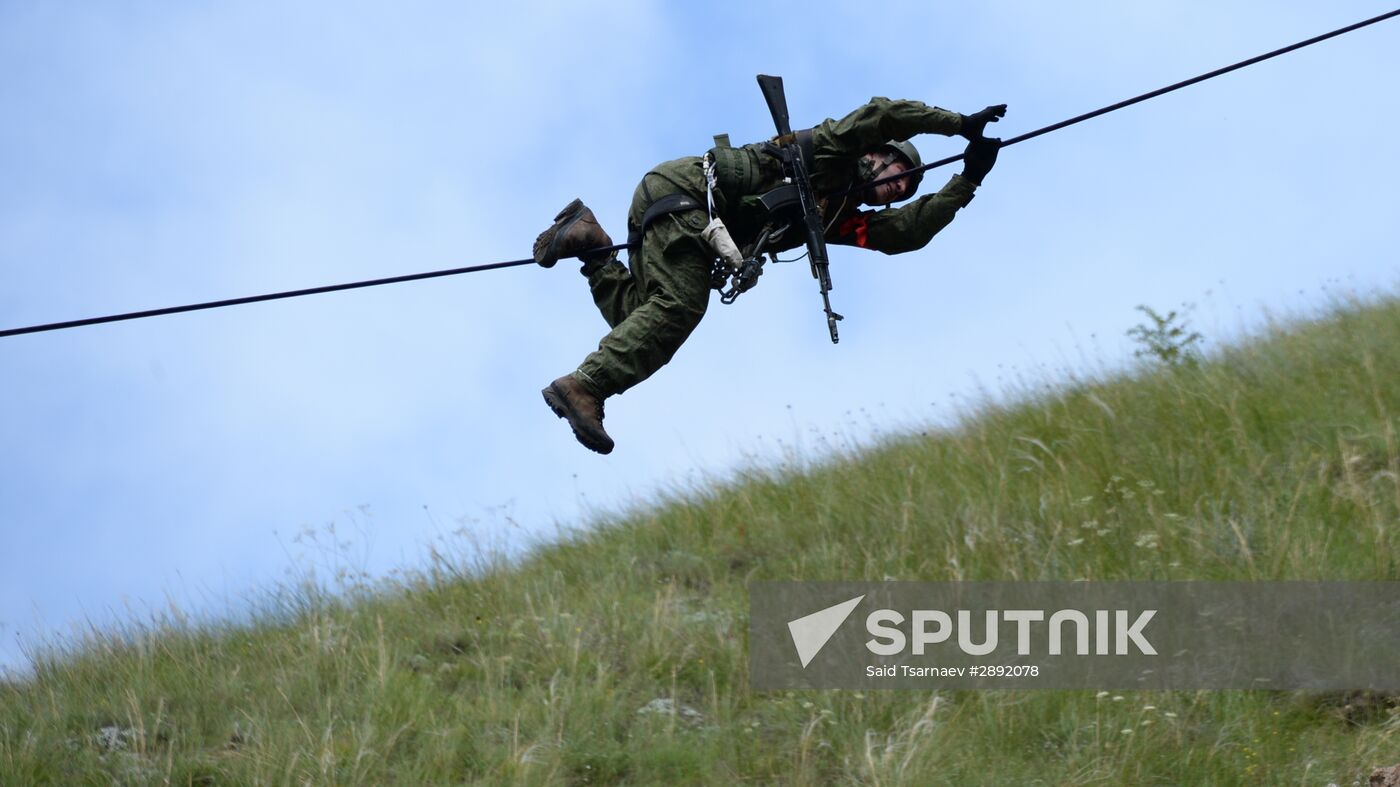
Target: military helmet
<point>910,154</point>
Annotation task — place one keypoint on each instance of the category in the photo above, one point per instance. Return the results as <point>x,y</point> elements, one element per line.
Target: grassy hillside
<point>619,656</point>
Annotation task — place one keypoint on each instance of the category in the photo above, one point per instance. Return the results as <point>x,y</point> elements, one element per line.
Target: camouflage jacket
<point>745,173</point>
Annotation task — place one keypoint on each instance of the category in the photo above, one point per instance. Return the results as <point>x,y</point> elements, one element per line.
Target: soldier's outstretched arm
<point>880,120</point>
<point>912,226</point>
<point>907,227</point>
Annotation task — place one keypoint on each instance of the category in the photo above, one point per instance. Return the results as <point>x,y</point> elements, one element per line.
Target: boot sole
<point>547,240</point>
<point>554,397</point>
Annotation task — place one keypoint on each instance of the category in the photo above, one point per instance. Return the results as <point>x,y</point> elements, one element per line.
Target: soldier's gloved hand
<point>973,125</point>
<point>979,158</point>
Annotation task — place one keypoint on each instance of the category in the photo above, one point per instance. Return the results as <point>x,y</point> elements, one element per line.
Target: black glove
<point>978,159</point>
<point>973,125</point>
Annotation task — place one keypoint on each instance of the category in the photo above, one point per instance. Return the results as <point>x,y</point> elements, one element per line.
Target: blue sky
<point>161,153</point>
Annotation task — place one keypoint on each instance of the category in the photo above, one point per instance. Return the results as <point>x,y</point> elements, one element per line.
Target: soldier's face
<point>885,193</point>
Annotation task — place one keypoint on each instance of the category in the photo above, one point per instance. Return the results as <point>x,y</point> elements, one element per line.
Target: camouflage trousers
<point>652,303</point>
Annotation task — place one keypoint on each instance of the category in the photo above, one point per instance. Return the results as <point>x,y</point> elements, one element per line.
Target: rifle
<point>795,170</point>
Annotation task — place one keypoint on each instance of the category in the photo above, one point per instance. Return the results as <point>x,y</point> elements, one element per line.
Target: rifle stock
<point>776,97</point>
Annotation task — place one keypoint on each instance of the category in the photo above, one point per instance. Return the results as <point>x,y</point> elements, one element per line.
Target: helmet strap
<point>869,171</point>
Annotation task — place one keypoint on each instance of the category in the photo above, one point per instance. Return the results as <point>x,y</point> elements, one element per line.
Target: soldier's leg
<point>614,289</point>
<point>671,273</point>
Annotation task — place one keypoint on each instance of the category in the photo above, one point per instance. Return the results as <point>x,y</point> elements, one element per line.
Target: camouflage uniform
<point>654,302</point>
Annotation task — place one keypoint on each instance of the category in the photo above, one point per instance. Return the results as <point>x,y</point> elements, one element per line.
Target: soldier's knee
<point>692,316</point>
<point>682,311</point>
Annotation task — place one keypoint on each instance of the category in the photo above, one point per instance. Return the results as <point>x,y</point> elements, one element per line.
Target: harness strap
<point>676,203</point>
<point>663,206</point>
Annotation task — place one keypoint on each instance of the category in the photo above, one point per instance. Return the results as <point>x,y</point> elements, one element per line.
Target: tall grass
<point>618,655</point>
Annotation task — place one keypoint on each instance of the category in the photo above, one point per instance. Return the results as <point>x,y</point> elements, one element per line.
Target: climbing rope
<point>355,285</point>
<point>1137,99</point>
<point>55,326</point>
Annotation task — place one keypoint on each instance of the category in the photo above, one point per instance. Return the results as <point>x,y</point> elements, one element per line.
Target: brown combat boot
<point>571,401</point>
<point>575,229</point>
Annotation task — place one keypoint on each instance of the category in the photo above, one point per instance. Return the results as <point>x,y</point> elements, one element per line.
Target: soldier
<point>654,302</point>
